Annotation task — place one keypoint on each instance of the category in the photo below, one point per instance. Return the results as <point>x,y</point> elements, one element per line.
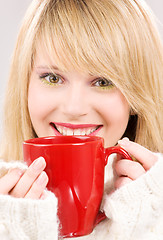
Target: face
<point>74,103</point>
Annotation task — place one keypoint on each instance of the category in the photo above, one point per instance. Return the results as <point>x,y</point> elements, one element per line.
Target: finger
<point>8,181</point>
<point>143,155</point>
<point>128,168</point>
<point>38,187</point>
<point>26,181</point>
<point>121,181</point>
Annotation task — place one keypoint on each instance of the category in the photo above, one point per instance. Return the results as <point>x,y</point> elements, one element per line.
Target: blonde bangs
<point>95,37</point>
<point>73,37</point>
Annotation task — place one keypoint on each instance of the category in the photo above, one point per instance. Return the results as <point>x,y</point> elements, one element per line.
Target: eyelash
<point>107,84</point>
<point>49,81</point>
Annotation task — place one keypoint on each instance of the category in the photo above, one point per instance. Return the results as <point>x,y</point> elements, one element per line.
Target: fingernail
<point>42,178</point>
<point>124,142</point>
<point>38,163</point>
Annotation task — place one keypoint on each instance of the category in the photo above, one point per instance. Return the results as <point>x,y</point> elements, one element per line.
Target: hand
<point>127,170</point>
<point>25,184</point>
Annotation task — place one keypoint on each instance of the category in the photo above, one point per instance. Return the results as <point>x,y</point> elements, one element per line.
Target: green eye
<point>51,79</point>
<point>103,83</point>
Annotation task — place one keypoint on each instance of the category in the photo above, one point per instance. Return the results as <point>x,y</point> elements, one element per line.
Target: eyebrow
<point>47,67</point>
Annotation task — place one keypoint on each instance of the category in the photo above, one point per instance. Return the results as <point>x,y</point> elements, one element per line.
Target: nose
<point>75,104</point>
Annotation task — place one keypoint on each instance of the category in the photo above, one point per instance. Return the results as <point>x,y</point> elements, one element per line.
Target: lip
<point>76,126</point>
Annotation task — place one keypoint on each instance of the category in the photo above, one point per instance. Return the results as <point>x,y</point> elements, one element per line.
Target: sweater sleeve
<point>27,219</point>
<point>136,209</point>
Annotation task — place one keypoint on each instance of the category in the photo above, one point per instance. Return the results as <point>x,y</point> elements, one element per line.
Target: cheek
<point>38,103</point>
<point>119,114</point>
<point>116,110</point>
<point>115,114</point>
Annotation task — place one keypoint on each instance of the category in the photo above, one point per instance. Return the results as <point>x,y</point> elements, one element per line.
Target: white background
<point>11,14</point>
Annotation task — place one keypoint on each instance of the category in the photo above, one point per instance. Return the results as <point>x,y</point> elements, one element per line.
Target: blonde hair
<point>116,39</point>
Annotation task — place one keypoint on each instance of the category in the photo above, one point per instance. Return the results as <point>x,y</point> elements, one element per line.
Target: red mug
<point>75,167</point>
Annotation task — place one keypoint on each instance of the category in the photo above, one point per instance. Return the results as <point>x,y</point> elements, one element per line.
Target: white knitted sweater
<point>134,212</point>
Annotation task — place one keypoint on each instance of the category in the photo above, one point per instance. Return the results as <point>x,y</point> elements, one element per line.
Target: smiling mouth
<point>66,129</point>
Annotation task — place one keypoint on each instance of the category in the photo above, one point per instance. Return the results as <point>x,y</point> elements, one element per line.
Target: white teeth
<point>80,131</point>
<point>70,132</point>
<point>65,131</point>
<point>83,132</point>
<point>93,130</point>
<point>77,132</point>
<point>87,131</point>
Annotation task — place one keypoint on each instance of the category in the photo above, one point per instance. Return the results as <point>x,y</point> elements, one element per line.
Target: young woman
<point>86,67</point>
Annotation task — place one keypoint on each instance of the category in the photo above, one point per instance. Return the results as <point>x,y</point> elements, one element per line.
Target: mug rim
<point>90,139</point>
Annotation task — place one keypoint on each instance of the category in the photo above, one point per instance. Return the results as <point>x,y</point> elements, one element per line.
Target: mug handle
<point>108,151</point>
<point>117,149</point>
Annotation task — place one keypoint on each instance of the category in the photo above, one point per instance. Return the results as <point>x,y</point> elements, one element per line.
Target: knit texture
<point>134,212</point>
<point>28,219</point>
<point>136,209</point>
<point>5,166</point>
